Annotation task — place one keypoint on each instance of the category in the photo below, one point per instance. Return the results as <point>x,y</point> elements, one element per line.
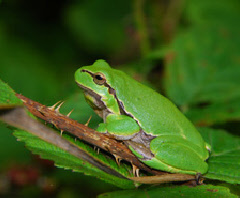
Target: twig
<point>160,179</point>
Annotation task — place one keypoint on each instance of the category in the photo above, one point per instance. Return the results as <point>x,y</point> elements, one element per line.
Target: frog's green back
<point>161,118</point>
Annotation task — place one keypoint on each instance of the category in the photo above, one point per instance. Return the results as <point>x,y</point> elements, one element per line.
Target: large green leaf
<point>224,161</point>
<point>67,161</point>
<point>180,191</point>
<point>216,112</point>
<point>203,71</point>
<point>202,66</point>
<point>212,12</point>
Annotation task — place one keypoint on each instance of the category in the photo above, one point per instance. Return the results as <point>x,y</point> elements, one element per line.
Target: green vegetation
<point>187,50</point>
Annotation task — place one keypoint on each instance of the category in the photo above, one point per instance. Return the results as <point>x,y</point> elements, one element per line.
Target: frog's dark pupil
<point>98,77</point>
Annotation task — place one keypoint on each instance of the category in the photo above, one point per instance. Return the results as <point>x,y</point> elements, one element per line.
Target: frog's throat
<point>94,100</point>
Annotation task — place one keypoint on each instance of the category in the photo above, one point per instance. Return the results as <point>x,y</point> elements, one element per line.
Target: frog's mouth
<point>94,100</point>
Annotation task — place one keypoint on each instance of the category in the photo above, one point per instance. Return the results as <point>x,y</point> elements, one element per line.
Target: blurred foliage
<point>99,26</point>
<point>203,63</point>
<point>188,50</point>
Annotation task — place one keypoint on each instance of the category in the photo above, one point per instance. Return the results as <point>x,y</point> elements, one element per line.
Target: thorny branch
<point>64,123</point>
<point>82,132</point>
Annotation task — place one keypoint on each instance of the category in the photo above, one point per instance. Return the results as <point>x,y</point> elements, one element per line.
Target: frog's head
<point>94,80</point>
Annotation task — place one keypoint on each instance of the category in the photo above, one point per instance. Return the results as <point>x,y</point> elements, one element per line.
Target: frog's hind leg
<point>176,155</point>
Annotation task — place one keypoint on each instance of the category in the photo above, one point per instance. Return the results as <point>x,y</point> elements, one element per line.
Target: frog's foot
<point>102,128</point>
<point>118,159</point>
<point>208,147</point>
<point>199,179</point>
<point>135,170</point>
<point>121,127</point>
<point>96,148</point>
<point>176,155</point>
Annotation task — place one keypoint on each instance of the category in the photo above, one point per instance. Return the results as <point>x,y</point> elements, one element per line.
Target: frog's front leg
<point>174,154</point>
<point>122,127</point>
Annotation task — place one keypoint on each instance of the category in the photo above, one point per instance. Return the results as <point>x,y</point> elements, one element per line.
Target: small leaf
<point>180,191</point>
<point>7,96</point>
<point>224,161</point>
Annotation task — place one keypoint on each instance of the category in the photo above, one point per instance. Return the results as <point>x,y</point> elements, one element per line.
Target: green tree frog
<point>147,122</point>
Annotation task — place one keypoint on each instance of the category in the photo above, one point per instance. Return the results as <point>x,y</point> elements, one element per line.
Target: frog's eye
<point>99,78</point>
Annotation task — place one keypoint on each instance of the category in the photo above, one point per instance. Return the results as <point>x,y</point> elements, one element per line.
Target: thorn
<point>61,132</point>
<point>88,121</point>
<point>54,124</point>
<point>70,113</point>
<point>118,159</point>
<point>23,100</point>
<point>59,106</point>
<point>53,106</point>
<point>135,170</point>
<point>98,149</point>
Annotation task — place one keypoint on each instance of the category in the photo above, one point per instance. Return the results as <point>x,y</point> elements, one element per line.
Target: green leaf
<point>224,161</point>
<point>212,12</point>
<point>7,96</point>
<point>203,70</point>
<point>203,63</point>
<point>197,69</point>
<point>180,191</point>
<point>65,160</point>
<point>217,112</point>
